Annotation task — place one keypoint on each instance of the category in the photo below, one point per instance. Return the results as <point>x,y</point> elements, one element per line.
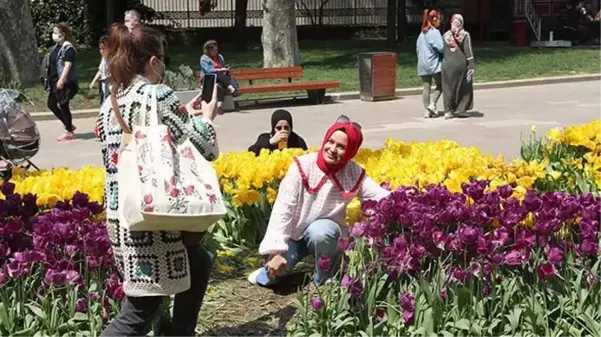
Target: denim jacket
<point>207,66</point>
<point>60,63</point>
<point>429,52</point>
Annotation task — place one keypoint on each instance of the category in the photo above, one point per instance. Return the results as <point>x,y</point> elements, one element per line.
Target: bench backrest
<point>267,73</point>
<point>264,73</point>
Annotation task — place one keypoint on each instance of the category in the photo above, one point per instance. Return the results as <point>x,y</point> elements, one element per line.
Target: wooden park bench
<point>316,90</point>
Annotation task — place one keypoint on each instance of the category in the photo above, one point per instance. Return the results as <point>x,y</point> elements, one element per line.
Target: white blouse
<point>296,208</point>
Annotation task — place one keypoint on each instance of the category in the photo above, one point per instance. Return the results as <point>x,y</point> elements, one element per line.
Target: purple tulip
<point>324,262</point>
<point>505,191</point>
<point>81,305</point>
<point>316,303</point>
<point>93,296</point>
<point>588,248</point>
<point>545,271</point>
<point>487,290</point>
<point>532,201</point>
<point>555,255</point>
<point>487,268</point>
<point>73,277</point>
<point>407,303</point>
<point>380,313</point>
<point>54,277</point>
<point>476,269</point>
<point>15,269</point>
<point>358,229</point>
<point>353,285</point>
<point>459,275</point>
<point>7,188</point>
<point>443,294</point>
<point>515,258</point>
<point>500,237</point>
<point>4,249</point>
<point>344,243</point>
<point>2,277</point>
<point>11,227</point>
<point>439,239</point>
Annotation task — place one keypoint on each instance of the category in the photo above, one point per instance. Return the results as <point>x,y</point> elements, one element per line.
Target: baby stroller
<point>19,135</point>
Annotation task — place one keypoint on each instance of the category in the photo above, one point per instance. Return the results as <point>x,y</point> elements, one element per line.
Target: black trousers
<point>224,78</point>
<point>58,103</point>
<point>138,313</point>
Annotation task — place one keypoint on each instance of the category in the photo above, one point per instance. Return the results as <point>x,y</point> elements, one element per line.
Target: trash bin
<point>520,29</point>
<point>377,75</point>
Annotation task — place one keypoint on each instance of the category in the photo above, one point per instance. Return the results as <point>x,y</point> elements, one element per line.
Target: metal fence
<point>359,13</point>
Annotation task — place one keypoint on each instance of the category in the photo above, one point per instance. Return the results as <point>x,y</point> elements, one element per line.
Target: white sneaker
<point>432,109</point>
<point>252,278</point>
<point>448,115</point>
<point>427,114</point>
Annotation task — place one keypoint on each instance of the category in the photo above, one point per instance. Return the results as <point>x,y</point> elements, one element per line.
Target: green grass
<point>337,60</point>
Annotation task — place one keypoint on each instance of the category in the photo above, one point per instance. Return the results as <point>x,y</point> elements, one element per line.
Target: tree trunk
<point>391,22</point>
<point>19,60</point>
<point>401,21</point>
<point>240,25</point>
<point>110,12</point>
<point>280,43</point>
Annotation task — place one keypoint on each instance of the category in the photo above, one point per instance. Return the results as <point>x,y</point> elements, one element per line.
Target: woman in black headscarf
<point>281,135</point>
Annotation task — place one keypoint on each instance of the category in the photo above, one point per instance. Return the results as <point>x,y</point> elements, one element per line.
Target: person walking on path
<point>153,264</point>
<point>457,70</point>
<point>429,57</point>
<point>102,75</point>
<point>61,82</point>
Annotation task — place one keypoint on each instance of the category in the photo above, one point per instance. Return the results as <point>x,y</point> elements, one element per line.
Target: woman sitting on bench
<point>213,63</point>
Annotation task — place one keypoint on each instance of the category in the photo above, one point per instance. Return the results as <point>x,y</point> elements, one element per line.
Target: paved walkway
<point>504,114</point>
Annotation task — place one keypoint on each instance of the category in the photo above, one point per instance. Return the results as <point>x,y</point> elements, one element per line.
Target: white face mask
<point>58,38</point>
<point>159,75</point>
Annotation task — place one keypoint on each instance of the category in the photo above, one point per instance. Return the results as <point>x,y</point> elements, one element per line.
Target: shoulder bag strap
<point>118,114</point>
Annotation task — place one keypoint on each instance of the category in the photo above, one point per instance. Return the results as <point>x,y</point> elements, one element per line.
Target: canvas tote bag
<point>164,186</point>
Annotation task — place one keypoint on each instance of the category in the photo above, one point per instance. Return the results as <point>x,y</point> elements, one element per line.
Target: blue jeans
<point>320,238</point>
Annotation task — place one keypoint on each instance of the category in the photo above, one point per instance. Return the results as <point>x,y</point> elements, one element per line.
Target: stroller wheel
<point>6,175</point>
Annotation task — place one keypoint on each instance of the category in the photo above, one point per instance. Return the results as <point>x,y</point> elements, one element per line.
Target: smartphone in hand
<point>208,84</point>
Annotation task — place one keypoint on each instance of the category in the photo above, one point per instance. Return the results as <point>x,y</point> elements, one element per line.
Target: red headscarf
<point>354,141</point>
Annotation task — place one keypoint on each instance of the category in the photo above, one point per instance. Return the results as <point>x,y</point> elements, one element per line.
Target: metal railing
<point>358,13</point>
<point>525,8</point>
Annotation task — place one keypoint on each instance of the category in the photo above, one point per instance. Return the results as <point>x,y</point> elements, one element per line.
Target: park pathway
<point>503,115</point>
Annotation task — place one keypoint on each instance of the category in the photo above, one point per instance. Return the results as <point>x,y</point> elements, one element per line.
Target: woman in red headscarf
<point>310,209</point>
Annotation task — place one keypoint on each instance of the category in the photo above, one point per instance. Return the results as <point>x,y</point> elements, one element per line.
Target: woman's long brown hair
<point>64,28</point>
<point>429,14</point>
<point>129,52</point>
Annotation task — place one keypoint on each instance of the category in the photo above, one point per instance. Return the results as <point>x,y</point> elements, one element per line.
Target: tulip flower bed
<point>57,273</point>
<point>469,244</point>
<point>433,262</point>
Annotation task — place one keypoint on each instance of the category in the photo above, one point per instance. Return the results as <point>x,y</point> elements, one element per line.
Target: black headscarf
<point>294,140</point>
<point>280,115</point>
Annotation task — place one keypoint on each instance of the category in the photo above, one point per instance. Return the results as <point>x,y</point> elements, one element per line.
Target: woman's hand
<point>97,128</point>
<point>279,135</point>
<point>206,109</point>
<point>275,265</point>
<point>60,84</point>
<point>471,72</point>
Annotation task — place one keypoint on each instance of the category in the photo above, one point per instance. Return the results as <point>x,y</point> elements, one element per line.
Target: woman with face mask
<point>153,264</point>
<point>310,209</point>
<point>62,80</point>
